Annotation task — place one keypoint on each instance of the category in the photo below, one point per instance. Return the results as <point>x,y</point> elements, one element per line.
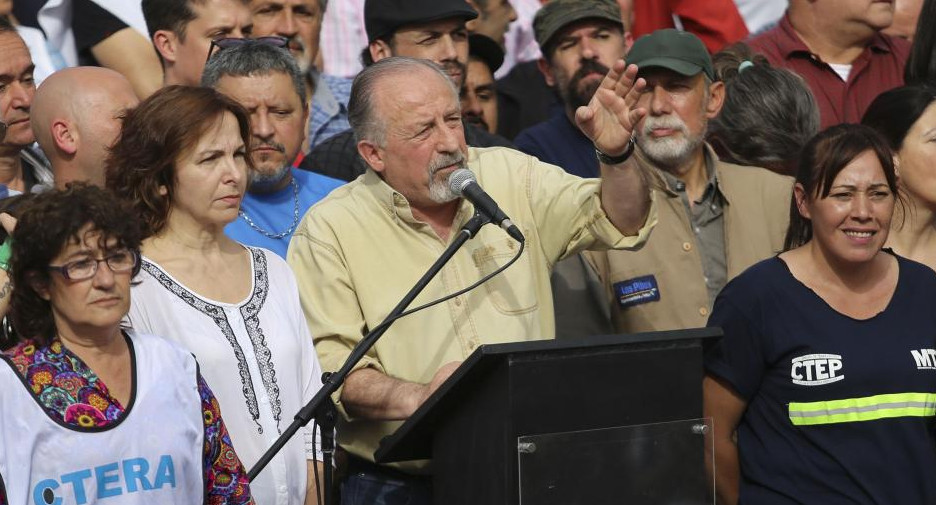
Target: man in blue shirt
<point>580,40</point>
<point>268,83</point>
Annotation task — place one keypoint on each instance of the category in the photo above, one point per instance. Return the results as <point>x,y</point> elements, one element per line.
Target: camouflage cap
<point>557,14</point>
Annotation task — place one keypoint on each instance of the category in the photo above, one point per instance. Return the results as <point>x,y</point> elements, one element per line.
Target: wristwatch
<point>621,158</point>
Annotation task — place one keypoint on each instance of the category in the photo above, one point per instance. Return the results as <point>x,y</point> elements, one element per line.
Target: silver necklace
<point>295,220</point>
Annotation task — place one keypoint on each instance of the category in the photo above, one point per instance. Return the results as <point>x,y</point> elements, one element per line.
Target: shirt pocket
<point>512,291</point>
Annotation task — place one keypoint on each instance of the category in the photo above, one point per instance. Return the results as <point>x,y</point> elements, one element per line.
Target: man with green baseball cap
<point>676,50</point>
<point>716,219</point>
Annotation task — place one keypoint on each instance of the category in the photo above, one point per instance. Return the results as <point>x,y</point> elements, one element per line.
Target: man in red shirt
<point>838,48</point>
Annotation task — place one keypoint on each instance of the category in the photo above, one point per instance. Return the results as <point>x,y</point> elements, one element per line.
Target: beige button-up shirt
<point>358,251</point>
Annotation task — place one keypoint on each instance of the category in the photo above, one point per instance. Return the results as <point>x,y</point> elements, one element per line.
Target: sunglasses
<point>229,42</point>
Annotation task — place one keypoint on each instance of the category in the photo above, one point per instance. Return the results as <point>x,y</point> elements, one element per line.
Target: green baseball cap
<point>557,14</point>
<point>679,51</point>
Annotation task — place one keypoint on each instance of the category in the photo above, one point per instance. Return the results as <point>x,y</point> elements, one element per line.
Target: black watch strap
<point>617,160</point>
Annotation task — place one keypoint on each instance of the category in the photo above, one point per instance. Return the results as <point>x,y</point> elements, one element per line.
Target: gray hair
<point>364,122</point>
<point>769,113</point>
<point>253,58</point>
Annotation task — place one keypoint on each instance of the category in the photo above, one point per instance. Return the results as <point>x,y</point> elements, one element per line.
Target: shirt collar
<point>791,43</point>
<point>674,187</point>
<point>397,206</point>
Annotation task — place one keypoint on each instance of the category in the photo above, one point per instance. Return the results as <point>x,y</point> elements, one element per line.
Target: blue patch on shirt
<point>636,291</point>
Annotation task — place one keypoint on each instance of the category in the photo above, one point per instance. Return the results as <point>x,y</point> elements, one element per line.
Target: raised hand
<point>611,116</point>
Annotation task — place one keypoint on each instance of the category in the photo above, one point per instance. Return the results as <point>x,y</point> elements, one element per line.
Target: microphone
<point>463,183</point>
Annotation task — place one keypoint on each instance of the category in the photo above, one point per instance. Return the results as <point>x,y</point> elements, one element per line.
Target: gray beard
<point>668,153</point>
<point>267,183</point>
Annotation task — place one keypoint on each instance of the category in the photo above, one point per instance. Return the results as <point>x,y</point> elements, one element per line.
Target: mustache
<point>588,67</point>
<point>668,122</point>
<point>476,120</point>
<point>271,144</point>
<point>295,43</point>
<point>452,65</point>
<point>444,160</point>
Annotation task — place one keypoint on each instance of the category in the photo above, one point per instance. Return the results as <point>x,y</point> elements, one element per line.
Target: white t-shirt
<point>257,355</point>
<point>842,69</point>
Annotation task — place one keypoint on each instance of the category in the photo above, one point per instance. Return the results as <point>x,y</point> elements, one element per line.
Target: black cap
<point>383,17</point>
<point>488,51</point>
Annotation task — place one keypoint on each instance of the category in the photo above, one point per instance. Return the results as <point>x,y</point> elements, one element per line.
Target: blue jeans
<point>369,484</point>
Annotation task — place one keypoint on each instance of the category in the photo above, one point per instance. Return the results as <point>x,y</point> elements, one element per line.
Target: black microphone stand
<point>320,406</point>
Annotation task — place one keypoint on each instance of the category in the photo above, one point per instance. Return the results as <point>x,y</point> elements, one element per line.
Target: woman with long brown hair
<point>182,161</point>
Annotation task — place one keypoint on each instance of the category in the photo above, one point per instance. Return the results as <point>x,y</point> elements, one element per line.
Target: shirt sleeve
<point>225,476</point>
<point>568,214</point>
<point>739,356</point>
<point>309,366</point>
<point>92,24</point>
<point>717,23</point>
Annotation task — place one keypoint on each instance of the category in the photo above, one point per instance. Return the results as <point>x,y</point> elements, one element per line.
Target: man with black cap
<point>479,94</point>
<point>428,29</point>
<point>716,219</point>
<point>579,40</point>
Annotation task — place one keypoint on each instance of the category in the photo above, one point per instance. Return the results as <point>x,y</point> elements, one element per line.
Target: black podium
<point>610,419</point>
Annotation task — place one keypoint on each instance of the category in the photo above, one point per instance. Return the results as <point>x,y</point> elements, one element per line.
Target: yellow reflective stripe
<point>868,408</point>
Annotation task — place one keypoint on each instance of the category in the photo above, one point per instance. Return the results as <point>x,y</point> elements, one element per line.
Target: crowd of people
<point>206,204</point>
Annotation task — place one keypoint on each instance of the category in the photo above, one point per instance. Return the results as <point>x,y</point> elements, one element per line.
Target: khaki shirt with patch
<point>662,286</point>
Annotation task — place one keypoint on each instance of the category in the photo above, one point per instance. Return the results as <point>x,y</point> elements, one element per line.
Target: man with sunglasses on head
<point>268,83</point>
<point>300,22</point>
<point>183,30</point>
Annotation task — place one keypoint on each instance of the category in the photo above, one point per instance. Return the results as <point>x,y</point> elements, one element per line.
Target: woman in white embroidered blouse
<point>182,161</point>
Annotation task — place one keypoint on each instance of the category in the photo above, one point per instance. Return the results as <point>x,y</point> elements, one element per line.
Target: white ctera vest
<point>154,455</point>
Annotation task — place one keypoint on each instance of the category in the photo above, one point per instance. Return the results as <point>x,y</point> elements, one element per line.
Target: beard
<point>576,93</point>
<point>439,190</point>
<point>673,150</point>
<point>266,180</point>
<point>301,54</point>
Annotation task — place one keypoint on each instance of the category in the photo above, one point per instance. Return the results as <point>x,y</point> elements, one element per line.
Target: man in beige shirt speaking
<point>358,251</point>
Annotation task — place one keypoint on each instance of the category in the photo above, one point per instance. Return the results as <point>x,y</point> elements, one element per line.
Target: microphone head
<point>459,179</point>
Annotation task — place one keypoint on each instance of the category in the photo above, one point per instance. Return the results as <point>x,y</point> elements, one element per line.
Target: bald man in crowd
<point>76,117</point>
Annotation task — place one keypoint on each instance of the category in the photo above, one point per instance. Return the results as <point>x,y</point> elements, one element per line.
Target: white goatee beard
<point>439,191</point>
<point>668,152</point>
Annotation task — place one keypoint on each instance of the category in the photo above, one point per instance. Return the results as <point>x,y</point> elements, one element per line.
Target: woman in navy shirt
<point>823,389</point>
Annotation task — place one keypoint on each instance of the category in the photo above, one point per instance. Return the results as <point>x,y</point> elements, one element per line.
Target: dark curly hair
<point>154,136</point>
<point>46,225</point>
